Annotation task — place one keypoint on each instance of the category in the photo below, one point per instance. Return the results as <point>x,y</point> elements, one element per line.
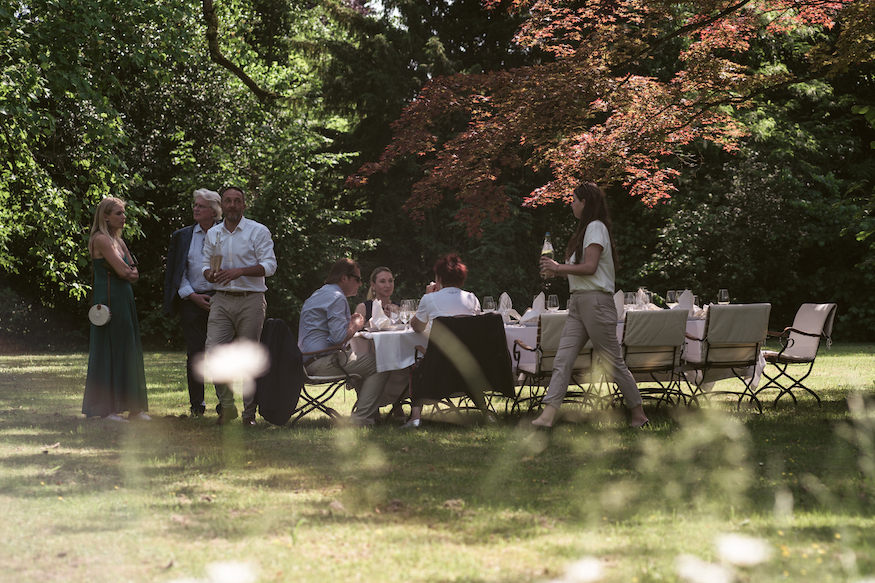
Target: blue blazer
<point>177,257</point>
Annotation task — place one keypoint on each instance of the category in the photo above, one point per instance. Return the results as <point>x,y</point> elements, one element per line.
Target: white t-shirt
<point>449,301</point>
<point>603,278</point>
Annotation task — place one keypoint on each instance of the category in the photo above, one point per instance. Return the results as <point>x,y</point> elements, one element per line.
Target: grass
<point>91,500</point>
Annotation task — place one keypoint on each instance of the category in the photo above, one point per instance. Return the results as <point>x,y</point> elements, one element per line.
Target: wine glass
<point>552,303</point>
<point>406,312</point>
<point>723,296</point>
<point>394,312</point>
<point>629,298</point>
<point>671,298</point>
<point>488,305</point>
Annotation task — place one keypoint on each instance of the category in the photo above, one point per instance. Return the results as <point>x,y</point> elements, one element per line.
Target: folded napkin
<point>379,320</point>
<point>505,308</point>
<point>685,302</point>
<point>619,302</point>
<point>536,311</point>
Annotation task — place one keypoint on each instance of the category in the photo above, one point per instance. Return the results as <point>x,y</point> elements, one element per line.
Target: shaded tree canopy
<point>600,108</point>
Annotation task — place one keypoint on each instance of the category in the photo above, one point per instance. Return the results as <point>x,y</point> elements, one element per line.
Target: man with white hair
<point>186,291</point>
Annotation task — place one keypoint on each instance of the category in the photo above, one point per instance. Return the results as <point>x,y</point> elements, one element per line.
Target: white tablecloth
<point>395,349</point>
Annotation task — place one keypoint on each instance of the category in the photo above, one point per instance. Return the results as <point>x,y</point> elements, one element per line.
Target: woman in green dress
<point>116,380</point>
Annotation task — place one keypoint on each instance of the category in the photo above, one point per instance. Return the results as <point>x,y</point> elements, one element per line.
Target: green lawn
<point>92,500</point>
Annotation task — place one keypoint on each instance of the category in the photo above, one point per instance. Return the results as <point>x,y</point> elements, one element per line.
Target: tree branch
<point>212,22</point>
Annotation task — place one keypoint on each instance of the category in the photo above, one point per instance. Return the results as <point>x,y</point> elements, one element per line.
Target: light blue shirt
<point>193,280</point>
<point>324,319</point>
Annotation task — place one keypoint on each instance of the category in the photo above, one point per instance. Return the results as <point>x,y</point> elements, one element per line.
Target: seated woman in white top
<point>443,297</point>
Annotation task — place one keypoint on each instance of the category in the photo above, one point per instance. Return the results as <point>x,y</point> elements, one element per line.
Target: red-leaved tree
<point>596,111</point>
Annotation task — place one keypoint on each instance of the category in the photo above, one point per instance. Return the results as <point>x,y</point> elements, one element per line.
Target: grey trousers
<point>592,315</point>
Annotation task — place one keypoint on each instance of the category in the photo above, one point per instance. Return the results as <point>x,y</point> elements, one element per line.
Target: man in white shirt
<point>238,308</point>
<point>186,292</point>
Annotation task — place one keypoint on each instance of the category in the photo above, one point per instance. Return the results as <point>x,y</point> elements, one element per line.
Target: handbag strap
<point>108,290</point>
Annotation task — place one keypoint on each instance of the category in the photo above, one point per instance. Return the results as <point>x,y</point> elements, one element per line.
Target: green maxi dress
<point>116,379</point>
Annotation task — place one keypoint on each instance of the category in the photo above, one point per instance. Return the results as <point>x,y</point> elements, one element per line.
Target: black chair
<point>467,359</point>
<point>287,390</point>
<point>277,392</point>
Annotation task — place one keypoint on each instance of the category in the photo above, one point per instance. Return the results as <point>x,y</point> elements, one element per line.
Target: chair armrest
<point>809,334</point>
<point>523,345</point>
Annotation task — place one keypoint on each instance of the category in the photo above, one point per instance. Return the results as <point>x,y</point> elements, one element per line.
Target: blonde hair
<point>212,197</point>
<point>371,292</point>
<point>106,206</point>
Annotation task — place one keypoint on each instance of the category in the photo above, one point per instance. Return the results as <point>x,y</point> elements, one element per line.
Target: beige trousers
<point>592,315</point>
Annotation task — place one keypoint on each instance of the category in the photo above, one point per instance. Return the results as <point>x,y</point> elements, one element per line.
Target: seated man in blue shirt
<point>326,322</point>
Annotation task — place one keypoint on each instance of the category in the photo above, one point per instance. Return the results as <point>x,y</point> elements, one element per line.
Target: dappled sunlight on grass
<point>496,502</point>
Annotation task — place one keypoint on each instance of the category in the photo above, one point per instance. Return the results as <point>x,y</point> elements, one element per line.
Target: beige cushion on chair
<point>814,319</point>
<point>551,327</point>
<point>652,339</point>
<point>733,332</point>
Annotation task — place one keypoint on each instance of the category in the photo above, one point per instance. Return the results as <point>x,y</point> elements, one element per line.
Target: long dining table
<point>395,349</point>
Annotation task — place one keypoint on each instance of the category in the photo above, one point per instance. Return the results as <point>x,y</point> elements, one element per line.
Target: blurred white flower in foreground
<point>695,570</point>
<point>228,572</point>
<point>242,360</point>
<point>232,572</point>
<point>586,570</point>
<point>742,550</point>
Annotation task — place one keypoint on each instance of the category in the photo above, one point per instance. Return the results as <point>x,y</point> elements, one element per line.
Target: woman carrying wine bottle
<point>590,260</point>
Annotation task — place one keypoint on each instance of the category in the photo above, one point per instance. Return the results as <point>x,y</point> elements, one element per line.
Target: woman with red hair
<point>443,297</point>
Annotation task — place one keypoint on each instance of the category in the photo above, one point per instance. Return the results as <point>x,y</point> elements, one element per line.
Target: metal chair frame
<point>657,359</point>
<point>736,356</point>
<point>782,360</point>
<point>316,400</point>
<point>536,380</point>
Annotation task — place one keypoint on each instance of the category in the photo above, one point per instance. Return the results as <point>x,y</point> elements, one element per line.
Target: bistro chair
<point>466,365</point>
<point>799,345</point>
<point>286,391</point>
<point>734,334</point>
<point>653,342</point>
<point>535,377</point>
<point>318,390</point>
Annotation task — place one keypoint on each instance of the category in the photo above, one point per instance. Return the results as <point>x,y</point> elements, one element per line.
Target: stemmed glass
<point>552,303</point>
<point>407,311</point>
<point>393,311</point>
<point>671,298</point>
<point>488,305</point>
<point>723,297</point>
